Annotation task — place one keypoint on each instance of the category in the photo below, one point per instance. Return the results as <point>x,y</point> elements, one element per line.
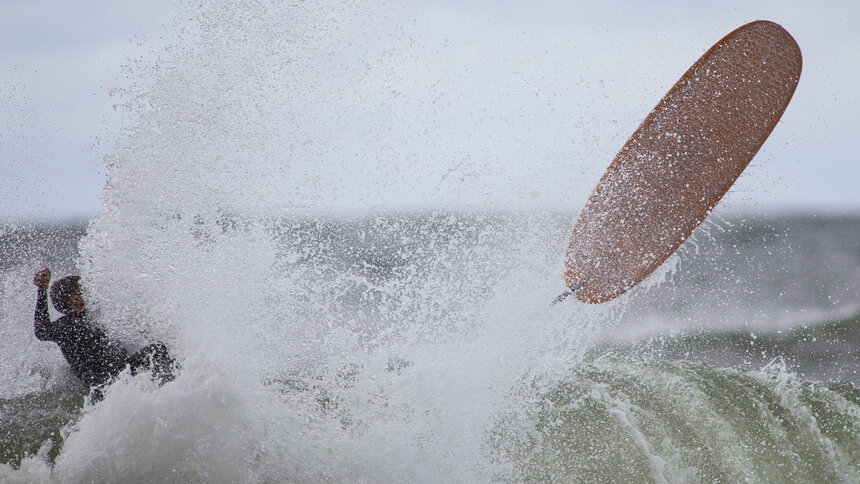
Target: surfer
<point>93,357</point>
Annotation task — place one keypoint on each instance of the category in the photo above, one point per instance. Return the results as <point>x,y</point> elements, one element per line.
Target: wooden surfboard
<point>682,159</point>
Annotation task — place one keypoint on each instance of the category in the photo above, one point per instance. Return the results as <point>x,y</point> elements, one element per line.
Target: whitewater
<point>319,344</point>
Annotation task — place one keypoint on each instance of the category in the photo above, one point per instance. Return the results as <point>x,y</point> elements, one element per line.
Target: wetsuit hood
<point>62,291</point>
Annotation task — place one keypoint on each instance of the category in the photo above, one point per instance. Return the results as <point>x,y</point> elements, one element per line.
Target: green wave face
<point>630,419</point>
<point>33,424</point>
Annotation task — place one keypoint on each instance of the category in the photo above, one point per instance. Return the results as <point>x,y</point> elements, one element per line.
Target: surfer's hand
<point>42,279</point>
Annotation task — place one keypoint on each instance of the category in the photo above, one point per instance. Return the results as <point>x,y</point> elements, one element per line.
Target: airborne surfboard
<point>681,160</point>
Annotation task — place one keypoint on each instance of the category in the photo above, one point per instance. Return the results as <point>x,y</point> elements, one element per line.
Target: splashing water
<point>301,358</point>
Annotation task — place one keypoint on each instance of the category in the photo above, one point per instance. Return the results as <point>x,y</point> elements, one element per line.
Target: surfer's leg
<point>156,358</point>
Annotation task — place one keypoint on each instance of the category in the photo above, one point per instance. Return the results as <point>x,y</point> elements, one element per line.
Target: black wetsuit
<point>94,358</point>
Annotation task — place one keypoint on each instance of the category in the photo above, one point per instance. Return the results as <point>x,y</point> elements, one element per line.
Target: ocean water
<point>328,334</point>
<point>424,348</point>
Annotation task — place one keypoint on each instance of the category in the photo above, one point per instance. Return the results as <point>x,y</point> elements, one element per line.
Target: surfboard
<point>681,160</point>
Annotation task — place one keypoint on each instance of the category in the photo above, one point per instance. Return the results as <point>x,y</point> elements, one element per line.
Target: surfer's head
<point>67,296</point>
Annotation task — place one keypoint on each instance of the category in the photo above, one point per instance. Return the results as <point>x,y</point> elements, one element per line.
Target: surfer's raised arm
<point>42,319</point>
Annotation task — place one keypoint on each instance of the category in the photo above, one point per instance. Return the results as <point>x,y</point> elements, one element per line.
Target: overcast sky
<point>606,64</point>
